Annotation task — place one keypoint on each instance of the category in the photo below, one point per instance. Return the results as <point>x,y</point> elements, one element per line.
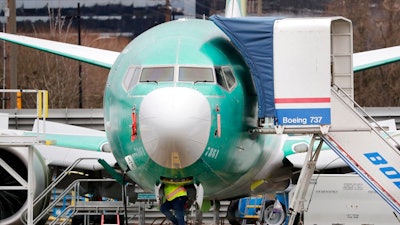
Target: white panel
<point>345,199</point>
<point>302,70</point>
<point>3,120</point>
<point>302,57</point>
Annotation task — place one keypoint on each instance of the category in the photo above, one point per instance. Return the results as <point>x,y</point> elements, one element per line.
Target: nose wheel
<point>273,213</point>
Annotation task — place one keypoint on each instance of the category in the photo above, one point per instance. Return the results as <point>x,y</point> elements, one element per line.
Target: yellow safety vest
<point>174,191</point>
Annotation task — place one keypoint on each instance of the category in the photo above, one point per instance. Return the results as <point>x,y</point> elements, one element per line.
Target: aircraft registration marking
<point>139,151</point>
<point>212,152</point>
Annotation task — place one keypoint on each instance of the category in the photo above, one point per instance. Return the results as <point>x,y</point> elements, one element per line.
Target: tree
<point>375,25</point>
<point>59,75</point>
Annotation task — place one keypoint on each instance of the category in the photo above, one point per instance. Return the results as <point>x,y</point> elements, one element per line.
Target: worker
<point>175,197</point>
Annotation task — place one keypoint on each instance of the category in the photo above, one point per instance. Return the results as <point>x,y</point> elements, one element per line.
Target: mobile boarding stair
<point>364,146</point>
<point>83,208</point>
<point>298,65</point>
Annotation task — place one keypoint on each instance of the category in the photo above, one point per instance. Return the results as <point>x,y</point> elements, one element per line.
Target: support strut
<point>297,202</point>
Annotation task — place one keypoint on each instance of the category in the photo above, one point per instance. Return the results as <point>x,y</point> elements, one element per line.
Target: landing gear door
<point>159,195</point>
<point>199,195</point>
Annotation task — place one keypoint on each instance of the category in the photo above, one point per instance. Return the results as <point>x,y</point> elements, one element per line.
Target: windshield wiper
<point>203,81</point>
<point>151,81</point>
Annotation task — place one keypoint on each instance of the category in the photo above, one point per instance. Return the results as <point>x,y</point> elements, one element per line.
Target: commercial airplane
<point>178,104</point>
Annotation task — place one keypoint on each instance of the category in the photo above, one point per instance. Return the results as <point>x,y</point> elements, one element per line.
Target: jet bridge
<point>303,73</point>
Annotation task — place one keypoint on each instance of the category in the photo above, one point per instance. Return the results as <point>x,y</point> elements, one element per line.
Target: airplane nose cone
<point>174,126</point>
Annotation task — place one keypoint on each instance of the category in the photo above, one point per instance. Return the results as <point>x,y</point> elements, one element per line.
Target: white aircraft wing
<point>64,149</point>
<point>327,159</point>
<point>64,157</point>
<point>62,144</point>
<point>51,127</point>
<point>95,56</point>
<point>374,58</point>
<point>67,143</point>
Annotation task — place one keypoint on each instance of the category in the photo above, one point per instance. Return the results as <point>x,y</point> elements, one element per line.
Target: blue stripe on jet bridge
<point>315,116</point>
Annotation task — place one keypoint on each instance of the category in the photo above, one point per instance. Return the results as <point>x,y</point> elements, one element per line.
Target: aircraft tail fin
<point>235,8</point>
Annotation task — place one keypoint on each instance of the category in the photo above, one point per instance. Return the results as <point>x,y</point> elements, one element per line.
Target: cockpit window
<point>220,77</point>
<point>225,77</point>
<point>157,74</point>
<point>196,74</point>
<point>230,79</point>
<point>131,77</point>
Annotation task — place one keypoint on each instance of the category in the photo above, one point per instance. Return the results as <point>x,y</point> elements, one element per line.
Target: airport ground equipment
<point>303,73</point>
<point>24,145</point>
<point>82,208</point>
<point>263,209</point>
<point>345,199</point>
<point>103,220</point>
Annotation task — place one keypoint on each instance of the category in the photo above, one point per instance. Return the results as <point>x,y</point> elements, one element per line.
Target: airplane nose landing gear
<point>195,194</point>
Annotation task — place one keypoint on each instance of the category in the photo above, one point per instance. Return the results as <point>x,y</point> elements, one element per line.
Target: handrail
<point>73,186</point>
<point>49,188</point>
<point>338,89</point>
<point>66,210</point>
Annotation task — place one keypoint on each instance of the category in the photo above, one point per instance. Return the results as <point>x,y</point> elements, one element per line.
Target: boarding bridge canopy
<point>293,63</point>
<point>253,37</point>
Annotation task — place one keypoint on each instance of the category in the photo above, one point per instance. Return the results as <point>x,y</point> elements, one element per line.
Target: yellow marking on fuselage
<point>175,160</point>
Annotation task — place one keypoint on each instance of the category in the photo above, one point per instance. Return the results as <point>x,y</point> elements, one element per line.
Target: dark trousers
<point>178,205</point>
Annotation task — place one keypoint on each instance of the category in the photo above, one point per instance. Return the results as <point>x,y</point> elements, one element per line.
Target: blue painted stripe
<point>304,116</point>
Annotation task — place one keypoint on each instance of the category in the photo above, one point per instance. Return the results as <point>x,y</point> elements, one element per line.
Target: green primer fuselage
<point>230,162</point>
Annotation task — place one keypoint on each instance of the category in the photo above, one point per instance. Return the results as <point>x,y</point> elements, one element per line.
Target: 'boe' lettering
<point>375,158</point>
<point>390,172</point>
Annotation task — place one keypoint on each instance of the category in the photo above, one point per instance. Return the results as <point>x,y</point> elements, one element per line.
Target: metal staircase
<point>83,208</point>
<point>370,152</point>
<point>374,157</point>
<point>88,209</point>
